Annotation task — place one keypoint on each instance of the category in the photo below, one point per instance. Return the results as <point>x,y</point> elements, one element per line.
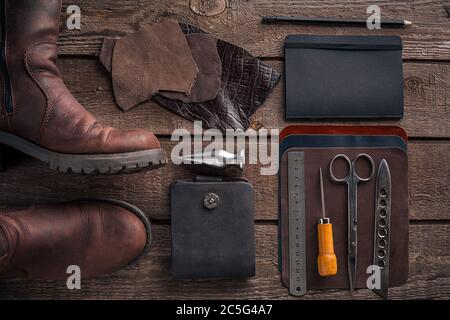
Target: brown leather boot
<point>42,241</point>
<point>38,114</point>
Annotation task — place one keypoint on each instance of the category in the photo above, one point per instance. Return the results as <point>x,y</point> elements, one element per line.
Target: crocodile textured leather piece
<point>246,83</point>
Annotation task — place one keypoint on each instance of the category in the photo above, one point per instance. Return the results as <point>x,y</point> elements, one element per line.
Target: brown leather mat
<point>336,209</point>
<point>341,130</point>
<point>207,84</point>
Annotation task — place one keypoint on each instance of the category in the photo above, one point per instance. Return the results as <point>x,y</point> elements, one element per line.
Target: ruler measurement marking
<point>297,246</point>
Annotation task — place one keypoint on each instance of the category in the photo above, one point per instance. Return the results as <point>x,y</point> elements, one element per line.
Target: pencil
<point>306,20</point>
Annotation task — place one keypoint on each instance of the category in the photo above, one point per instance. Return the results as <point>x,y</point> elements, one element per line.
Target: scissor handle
<point>345,179</point>
<point>372,164</point>
<point>352,168</point>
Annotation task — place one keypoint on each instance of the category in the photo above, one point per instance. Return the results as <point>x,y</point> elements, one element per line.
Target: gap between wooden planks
<point>241,24</point>
<point>28,180</point>
<point>426,86</point>
<point>429,275</point>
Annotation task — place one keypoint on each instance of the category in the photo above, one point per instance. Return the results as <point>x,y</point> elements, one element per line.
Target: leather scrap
<point>207,84</point>
<point>206,56</point>
<point>106,53</point>
<point>245,85</point>
<point>152,59</point>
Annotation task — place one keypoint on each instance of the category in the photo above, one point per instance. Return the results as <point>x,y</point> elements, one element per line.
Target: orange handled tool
<point>327,262</point>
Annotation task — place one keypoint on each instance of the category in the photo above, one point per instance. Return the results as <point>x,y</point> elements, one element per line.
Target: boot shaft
<point>38,114</point>
<point>26,25</point>
<point>29,22</point>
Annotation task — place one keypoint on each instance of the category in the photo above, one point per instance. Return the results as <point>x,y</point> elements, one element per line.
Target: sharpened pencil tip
<point>407,23</point>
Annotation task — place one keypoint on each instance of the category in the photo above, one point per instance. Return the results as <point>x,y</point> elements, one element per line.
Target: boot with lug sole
<point>98,236</point>
<point>38,114</point>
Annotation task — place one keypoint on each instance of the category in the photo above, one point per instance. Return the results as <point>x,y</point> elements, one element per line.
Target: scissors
<point>352,179</point>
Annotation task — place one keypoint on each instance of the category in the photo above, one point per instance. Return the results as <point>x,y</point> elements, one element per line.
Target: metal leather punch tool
<point>383,200</point>
<point>352,179</point>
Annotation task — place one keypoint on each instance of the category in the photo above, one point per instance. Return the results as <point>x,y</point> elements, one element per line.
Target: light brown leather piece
<point>207,84</point>
<point>106,53</point>
<point>204,50</point>
<point>336,209</point>
<point>152,59</point>
<point>43,240</point>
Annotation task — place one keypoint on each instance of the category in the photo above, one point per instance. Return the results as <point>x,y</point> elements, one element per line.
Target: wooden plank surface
<point>28,180</point>
<point>428,38</point>
<point>427,93</point>
<point>427,89</point>
<point>429,275</point>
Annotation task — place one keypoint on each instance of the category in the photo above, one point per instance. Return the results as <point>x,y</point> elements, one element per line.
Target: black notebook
<point>343,77</point>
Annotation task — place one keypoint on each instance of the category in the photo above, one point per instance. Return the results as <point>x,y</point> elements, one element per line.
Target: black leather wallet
<point>213,232</point>
<point>343,77</point>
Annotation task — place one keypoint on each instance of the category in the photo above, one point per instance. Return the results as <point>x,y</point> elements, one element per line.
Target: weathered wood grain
<point>427,90</point>
<point>27,180</point>
<point>429,275</point>
<point>428,38</point>
<point>427,87</point>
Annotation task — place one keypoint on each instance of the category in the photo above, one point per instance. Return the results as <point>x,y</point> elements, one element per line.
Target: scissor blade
<point>383,292</point>
<point>352,272</point>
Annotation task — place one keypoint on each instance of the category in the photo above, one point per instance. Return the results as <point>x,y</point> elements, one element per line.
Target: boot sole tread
<point>88,164</point>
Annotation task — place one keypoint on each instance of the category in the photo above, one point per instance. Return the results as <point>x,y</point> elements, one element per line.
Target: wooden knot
<point>256,125</point>
<point>208,8</point>
<point>413,84</point>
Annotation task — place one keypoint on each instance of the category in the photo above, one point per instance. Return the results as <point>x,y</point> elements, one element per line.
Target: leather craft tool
<point>297,240</point>
<point>326,262</point>
<point>218,159</point>
<point>327,21</point>
<point>336,210</point>
<point>381,251</point>
<point>395,139</point>
<point>352,179</point>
